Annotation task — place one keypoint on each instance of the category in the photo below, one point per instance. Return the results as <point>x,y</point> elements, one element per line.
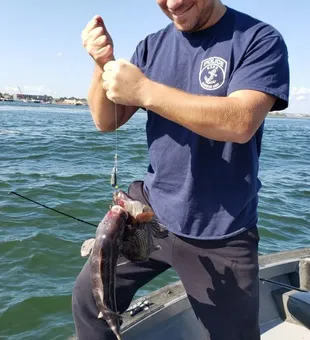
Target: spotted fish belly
<point>103,263</point>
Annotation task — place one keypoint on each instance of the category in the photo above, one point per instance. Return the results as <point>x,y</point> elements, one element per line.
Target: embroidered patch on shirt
<point>212,73</point>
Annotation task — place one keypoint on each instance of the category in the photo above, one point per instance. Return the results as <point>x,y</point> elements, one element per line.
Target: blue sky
<point>41,50</point>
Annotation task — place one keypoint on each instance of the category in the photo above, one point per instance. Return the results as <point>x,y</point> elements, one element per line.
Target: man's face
<point>188,15</point>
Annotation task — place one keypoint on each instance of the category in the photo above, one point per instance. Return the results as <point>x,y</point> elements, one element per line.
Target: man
<point>207,82</point>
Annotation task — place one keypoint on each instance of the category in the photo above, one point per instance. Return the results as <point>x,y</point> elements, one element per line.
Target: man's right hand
<point>97,41</point>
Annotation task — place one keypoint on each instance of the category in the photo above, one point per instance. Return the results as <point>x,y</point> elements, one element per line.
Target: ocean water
<point>54,155</point>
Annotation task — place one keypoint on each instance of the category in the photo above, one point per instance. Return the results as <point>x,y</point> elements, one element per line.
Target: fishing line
<point>114,170</point>
<point>45,206</point>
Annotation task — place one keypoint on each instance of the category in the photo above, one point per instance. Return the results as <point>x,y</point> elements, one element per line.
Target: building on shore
<point>74,102</point>
<point>6,97</point>
<point>33,98</point>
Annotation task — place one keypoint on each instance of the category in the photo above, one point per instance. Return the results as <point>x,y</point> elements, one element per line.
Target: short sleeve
<point>264,68</point>
<point>139,57</point>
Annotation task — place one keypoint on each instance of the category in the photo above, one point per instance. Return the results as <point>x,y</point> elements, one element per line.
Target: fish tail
<point>117,333</point>
<point>115,326</point>
<point>113,320</point>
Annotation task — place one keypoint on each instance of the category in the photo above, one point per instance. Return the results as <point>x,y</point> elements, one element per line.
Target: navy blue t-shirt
<point>199,187</point>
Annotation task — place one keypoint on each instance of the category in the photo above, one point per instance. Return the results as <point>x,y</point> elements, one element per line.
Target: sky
<point>42,53</point>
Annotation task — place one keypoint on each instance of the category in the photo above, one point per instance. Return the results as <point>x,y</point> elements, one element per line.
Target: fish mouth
<point>133,207</point>
<point>121,199</point>
<point>118,209</point>
<point>120,196</point>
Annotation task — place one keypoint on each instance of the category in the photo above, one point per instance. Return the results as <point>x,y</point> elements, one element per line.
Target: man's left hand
<point>123,83</point>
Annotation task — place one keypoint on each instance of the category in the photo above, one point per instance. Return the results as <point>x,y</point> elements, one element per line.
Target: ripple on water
<point>55,155</point>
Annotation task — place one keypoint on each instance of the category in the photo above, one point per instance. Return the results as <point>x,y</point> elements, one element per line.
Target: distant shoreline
<point>288,115</point>
<point>72,102</point>
<point>84,104</point>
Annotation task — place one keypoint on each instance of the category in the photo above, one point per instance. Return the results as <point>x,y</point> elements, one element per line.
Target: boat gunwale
<point>266,263</point>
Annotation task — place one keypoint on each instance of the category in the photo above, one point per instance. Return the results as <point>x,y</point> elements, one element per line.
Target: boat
<point>166,314</point>
<point>284,304</point>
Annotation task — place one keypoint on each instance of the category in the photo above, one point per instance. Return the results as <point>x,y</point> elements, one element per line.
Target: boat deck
<point>283,310</point>
<point>283,330</point>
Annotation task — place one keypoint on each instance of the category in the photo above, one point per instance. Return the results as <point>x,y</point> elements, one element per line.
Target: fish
<point>142,225</point>
<point>126,230</point>
<point>104,250</point>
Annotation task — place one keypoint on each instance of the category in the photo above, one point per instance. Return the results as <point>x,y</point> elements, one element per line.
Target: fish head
<point>139,212</point>
<point>113,224</point>
<point>138,241</point>
<point>116,211</point>
<point>116,215</point>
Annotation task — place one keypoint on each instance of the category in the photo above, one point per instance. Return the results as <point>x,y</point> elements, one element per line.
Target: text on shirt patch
<point>212,73</point>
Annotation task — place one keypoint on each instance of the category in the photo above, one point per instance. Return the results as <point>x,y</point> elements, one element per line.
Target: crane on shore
<point>22,95</point>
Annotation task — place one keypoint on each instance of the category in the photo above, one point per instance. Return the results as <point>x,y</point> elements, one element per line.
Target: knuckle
<point>93,52</point>
<point>99,30</point>
<point>104,39</point>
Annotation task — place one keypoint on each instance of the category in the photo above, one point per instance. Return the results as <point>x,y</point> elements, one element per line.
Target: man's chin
<point>188,26</point>
<point>183,27</point>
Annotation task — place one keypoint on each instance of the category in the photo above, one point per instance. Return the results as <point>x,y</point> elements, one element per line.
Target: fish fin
<point>147,208</point>
<point>158,230</point>
<point>87,247</point>
<point>144,217</point>
<point>109,314</point>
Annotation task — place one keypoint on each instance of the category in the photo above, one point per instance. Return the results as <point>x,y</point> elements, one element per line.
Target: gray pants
<point>220,278</point>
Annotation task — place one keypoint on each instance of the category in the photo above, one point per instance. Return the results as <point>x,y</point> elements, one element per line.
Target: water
<point>54,154</point>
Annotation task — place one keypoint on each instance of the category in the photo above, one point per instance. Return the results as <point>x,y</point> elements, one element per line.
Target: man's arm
<point>260,84</point>
<point>99,45</point>
<point>234,118</point>
<point>102,109</point>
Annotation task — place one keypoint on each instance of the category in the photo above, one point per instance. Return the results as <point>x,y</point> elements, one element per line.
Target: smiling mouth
<point>181,14</point>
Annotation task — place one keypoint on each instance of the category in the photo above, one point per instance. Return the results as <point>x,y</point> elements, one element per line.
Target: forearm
<point>101,108</point>
<point>217,118</point>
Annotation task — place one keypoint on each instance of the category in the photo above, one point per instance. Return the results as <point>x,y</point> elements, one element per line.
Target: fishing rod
<point>284,285</point>
<point>83,221</point>
<point>45,206</point>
